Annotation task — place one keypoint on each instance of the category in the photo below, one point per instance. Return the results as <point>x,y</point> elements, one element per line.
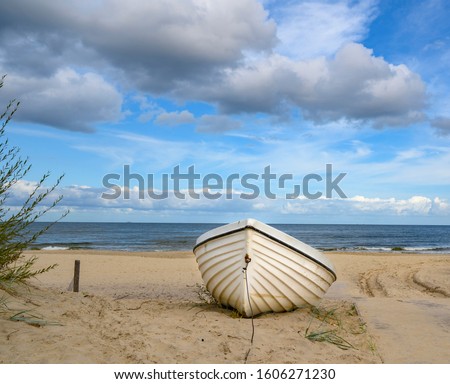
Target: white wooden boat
<point>255,268</point>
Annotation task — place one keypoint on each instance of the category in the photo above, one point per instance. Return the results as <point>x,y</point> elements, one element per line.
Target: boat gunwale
<point>243,228</point>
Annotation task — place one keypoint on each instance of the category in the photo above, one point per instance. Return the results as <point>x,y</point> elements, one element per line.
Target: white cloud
<point>67,100</point>
<point>440,206</point>
<point>369,206</point>
<point>218,51</point>
<point>148,109</point>
<point>90,198</point>
<point>354,85</point>
<point>409,154</point>
<point>22,189</point>
<point>415,205</point>
<point>308,29</point>
<point>154,44</point>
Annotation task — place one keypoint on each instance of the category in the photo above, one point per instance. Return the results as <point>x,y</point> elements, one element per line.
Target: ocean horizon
<point>136,237</point>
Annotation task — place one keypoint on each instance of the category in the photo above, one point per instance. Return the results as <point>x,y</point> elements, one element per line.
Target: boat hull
<point>255,269</point>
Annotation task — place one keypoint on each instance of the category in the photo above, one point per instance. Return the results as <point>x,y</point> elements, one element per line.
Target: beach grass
<point>326,325</point>
<point>28,317</point>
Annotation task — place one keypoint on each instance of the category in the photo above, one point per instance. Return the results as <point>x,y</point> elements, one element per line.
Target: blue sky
<point>232,87</point>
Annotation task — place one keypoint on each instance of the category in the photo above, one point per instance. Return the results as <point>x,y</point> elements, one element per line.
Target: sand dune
<point>152,308</point>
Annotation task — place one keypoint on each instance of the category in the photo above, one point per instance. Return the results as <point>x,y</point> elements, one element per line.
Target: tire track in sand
<point>406,282</point>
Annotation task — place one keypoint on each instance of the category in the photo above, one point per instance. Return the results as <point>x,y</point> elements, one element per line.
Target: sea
<point>135,237</point>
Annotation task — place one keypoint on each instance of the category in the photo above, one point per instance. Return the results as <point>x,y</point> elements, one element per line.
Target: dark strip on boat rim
<point>270,237</point>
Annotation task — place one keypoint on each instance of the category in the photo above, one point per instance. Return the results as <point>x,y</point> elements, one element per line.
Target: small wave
<point>382,249</point>
<point>374,249</point>
<point>61,246</point>
<point>419,249</point>
<point>428,249</point>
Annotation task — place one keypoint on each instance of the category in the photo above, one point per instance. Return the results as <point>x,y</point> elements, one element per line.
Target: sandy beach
<point>152,308</point>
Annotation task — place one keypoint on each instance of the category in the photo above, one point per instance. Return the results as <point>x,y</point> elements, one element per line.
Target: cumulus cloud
<point>90,198</point>
<point>76,196</point>
<point>155,43</point>
<point>354,84</point>
<point>219,51</point>
<point>66,100</point>
<point>176,41</point>
<point>175,118</point>
<point>151,46</point>
<point>415,205</point>
<point>440,206</point>
<point>357,205</point>
<point>442,125</point>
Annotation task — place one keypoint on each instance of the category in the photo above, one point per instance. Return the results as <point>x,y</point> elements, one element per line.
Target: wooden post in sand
<point>76,276</point>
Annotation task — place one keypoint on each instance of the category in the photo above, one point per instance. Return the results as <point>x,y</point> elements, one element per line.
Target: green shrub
<point>16,232</point>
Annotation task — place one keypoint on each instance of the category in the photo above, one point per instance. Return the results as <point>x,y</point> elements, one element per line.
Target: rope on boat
<point>247,261</point>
